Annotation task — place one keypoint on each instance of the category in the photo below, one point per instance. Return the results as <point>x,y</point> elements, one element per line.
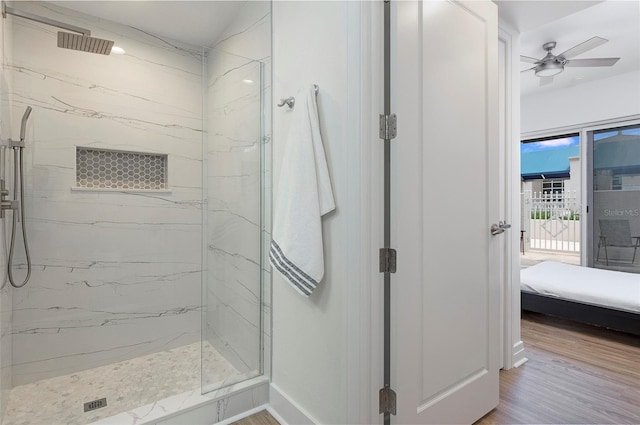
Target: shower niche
<point>146,178</point>
<point>120,170</point>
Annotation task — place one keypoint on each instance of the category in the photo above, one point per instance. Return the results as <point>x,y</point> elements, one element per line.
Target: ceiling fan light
<point>549,69</point>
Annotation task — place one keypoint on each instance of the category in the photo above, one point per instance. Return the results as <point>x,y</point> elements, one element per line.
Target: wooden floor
<point>576,374</point>
<point>260,418</point>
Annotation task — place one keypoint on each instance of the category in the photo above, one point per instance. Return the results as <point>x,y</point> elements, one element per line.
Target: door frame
<point>363,306</point>
<point>513,353</point>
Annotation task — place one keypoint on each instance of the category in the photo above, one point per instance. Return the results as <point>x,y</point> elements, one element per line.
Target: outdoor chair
<point>616,233</point>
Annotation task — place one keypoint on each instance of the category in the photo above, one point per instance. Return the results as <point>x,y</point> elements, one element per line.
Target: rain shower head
<point>84,43</point>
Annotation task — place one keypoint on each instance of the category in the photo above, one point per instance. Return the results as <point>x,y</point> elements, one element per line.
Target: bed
<point>598,297</point>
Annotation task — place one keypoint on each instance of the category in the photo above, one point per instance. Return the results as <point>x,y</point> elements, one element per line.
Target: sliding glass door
<point>615,190</point>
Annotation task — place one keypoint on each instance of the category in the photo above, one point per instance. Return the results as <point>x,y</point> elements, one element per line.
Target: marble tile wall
<point>233,209</point>
<point>238,166</point>
<point>116,274</point>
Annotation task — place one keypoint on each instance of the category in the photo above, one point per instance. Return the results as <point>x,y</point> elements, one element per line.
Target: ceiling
<point>198,23</point>
<point>568,23</point>
<point>526,15</point>
<point>616,21</point>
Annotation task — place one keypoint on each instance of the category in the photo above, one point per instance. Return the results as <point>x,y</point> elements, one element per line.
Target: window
<point>553,189</point>
<point>616,183</point>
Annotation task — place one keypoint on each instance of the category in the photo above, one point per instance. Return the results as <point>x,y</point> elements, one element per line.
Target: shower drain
<point>95,404</point>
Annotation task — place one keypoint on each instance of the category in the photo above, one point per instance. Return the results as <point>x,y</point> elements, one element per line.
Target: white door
<point>446,290</point>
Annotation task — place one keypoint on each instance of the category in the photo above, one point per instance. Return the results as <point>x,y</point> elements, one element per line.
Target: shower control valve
<point>10,143</point>
<point>6,204</point>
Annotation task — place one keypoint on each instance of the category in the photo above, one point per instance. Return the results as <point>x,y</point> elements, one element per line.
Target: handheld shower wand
<point>18,176</point>
<point>23,126</point>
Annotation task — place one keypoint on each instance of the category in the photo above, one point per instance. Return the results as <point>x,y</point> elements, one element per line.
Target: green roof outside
<point>552,163</point>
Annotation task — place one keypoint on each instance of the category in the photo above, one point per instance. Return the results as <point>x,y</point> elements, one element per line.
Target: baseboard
<point>285,410</point>
<point>518,358</point>
<point>276,416</point>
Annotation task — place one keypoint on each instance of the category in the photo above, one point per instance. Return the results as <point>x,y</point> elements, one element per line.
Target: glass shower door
<point>232,284</point>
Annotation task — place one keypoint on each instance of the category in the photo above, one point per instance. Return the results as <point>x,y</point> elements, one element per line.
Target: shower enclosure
<point>146,209</point>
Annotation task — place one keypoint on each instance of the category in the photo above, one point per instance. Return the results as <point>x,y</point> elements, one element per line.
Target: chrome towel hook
<point>291,101</point>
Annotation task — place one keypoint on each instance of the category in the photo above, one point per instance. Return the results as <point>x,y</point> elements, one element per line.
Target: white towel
<point>304,196</point>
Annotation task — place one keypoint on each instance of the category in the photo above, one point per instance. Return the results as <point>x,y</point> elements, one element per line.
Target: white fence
<point>551,221</point>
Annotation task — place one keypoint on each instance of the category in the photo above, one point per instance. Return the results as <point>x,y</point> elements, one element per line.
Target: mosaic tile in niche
<point>106,169</point>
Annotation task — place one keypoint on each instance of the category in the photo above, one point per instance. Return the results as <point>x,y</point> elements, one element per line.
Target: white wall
<point>610,98</point>
<point>311,45</point>
<point>115,274</point>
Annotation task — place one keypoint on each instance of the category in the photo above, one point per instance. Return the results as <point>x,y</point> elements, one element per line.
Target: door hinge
<point>388,260</point>
<point>388,126</point>
<point>387,401</point>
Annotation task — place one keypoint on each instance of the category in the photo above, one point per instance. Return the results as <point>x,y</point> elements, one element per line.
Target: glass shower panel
<point>616,198</point>
<point>232,285</point>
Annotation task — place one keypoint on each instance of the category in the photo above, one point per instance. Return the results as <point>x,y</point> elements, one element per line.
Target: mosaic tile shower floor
<point>126,385</point>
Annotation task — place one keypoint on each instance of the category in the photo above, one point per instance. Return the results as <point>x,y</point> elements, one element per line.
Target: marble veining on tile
<point>116,275</point>
<point>236,157</point>
<point>126,385</point>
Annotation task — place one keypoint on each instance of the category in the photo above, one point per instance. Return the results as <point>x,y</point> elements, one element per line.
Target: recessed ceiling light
<point>117,50</point>
<point>247,81</point>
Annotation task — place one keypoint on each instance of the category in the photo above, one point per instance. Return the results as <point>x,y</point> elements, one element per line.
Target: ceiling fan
<point>552,64</point>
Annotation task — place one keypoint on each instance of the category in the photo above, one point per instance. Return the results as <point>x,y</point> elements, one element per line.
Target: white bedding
<point>607,288</point>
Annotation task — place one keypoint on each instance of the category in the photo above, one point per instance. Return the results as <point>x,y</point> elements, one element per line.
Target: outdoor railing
<point>551,221</point>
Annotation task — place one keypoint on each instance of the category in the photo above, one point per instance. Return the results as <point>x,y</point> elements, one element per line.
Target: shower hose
<point>18,174</point>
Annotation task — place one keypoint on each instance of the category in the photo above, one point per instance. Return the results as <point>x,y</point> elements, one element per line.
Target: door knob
<point>496,229</point>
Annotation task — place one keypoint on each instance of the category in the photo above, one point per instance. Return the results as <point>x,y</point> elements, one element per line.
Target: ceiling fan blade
<point>529,69</point>
<point>545,81</point>
<point>583,47</point>
<point>592,62</point>
<point>529,59</point>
